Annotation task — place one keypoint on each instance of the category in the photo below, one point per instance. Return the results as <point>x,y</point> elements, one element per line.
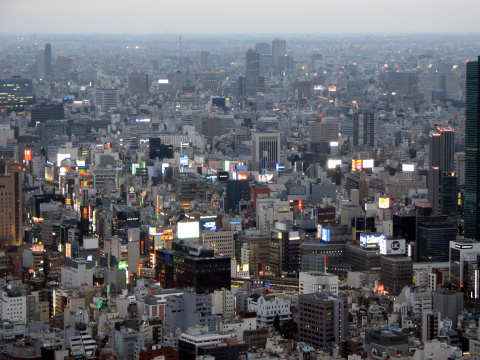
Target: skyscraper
<point>11,206</point>
<point>266,148</point>
<point>441,176</point>
<point>472,152</point>
<point>252,62</point>
<point>279,47</point>
<point>48,60</point>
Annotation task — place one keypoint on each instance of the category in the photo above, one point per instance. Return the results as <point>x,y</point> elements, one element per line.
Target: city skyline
<point>212,16</point>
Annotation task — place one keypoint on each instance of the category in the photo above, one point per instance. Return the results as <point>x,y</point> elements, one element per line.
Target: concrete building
<point>125,340</point>
<point>378,341</point>
<point>80,273</point>
<point>312,282</point>
<point>322,319</point>
<point>267,308</point>
<point>223,301</point>
<point>188,310</point>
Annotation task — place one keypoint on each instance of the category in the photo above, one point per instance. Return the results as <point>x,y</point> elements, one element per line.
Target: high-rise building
<point>16,93</point>
<point>253,81</point>
<point>279,47</point>
<point>11,206</point>
<point>266,148</point>
<point>106,98</point>
<point>236,191</point>
<point>48,60</point>
<point>191,265</point>
<point>369,128</point>
<point>441,177</point>
<point>472,152</point>
<point>396,273</point>
<point>322,319</point>
<point>263,48</point>
<point>434,234</point>
<point>138,83</point>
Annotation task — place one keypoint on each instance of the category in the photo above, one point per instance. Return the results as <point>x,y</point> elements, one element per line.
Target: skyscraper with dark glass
<point>253,82</point>
<point>472,153</point>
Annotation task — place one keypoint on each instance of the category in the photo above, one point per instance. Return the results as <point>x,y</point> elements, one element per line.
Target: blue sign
<point>325,234</point>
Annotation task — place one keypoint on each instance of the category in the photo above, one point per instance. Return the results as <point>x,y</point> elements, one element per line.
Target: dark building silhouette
<point>159,150</point>
<point>237,190</point>
<point>434,234</point>
<point>472,152</point>
<point>48,60</point>
<point>16,94</point>
<point>441,177</point>
<point>191,265</point>
<point>44,112</point>
<point>252,81</point>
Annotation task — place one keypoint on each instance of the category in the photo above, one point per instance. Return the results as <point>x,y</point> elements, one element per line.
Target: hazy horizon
<point>209,17</point>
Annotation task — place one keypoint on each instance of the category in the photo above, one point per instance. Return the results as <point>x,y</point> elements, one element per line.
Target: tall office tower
<point>441,177</point>
<point>106,98</point>
<point>262,48</point>
<point>16,93</point>
<point>322,319</point>
<point>434,234</point>
<point>11,206</point>
<point>369,128</point>
<point>40,64</point>
<point>204,57</point>
<point>48,60</point>
<point>266,148</point>
<point>252,72</point>
<point>402,82</point>
<point>356,129</point>
<point>279,47</point>
<point>211,82</point>
<point>138,83</point>
<point>472,152</point>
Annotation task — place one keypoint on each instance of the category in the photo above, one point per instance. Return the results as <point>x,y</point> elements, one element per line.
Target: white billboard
<point>188,230</point>
<point>392,247</point>
<point>368,164</point>
<point>408,167</point>
<point>332,163</point>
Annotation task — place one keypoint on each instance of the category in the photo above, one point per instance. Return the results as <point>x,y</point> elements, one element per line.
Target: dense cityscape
<point>240,196</point>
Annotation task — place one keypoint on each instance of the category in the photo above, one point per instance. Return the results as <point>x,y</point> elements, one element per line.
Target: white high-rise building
<point>266,148</point>
<point>224,302</point>
<point>312,282</point>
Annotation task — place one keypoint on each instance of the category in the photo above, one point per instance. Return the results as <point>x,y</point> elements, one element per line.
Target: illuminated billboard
<point>408,167</point>
<point>242,176</point>
<point>155,231</point>
<point>325,234</point>
<point>122,265</point>
<point>163,81</point>
<point>333,163</point>
<point>392,247</point>
<point>332,88</point>
<point>265,178</point>
<point>68,250</point>
<point>384,203</point>
<point>356,164</point>
<point>184,161</point>
<point>28,155</point>
<point>371,241</point>
<point>188,230</point>
<point>317,87</point>
<point>367,164</point>
<point>208,225</point>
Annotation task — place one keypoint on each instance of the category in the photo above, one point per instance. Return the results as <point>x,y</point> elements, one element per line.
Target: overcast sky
<point>242,16</point>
